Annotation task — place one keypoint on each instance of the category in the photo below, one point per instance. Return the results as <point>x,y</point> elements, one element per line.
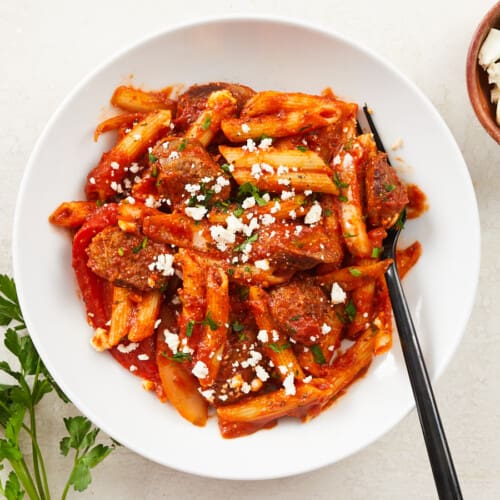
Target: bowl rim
<point>472,73</point>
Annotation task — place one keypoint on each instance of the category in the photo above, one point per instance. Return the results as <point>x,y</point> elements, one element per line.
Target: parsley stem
<point>68,482</point>
<point>37,456</point>
<point>24,476</point>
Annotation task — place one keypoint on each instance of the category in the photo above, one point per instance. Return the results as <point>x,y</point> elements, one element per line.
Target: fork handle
<point>440,458</point>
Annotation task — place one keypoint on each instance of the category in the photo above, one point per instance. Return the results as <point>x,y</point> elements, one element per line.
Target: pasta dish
<point>229,249</point>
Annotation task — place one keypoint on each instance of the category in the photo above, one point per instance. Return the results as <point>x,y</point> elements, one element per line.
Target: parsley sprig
<point>29,383</point>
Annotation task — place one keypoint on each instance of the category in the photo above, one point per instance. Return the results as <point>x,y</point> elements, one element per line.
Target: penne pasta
<point>230,245</point>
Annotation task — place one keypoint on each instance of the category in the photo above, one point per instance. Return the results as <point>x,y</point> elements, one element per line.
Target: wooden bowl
<point>477,78</point>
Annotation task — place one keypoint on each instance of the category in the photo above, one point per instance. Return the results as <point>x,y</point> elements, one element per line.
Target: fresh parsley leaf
<point>278,348</point>
<point>247,190</point>
<point>237,326</point>
<point>189,327</point>
<point>182,145</point>
<point>210,322</point>
<point>178,356</point>
<point>318,355</point>
<point>338,182</point>
<point>303,149</point>
<point>350,311</point>
<point>9,303</point>
<point>251,239</point>
<point>13,489</point>
<point>355,272</point>
<point>206,123</point>
<point>376,252</point>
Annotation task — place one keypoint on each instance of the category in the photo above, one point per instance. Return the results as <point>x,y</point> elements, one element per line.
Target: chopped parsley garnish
<point>350,311</point>
<point>210,322</point>
<point>141,246</point>
<point>243,293</point>
<point>389,187</point>
<point>338,182</point>
<point>206,123</point>
<point>251,239</point>
<point>303,149</point>
<point>343,199</point>
<point>121,252</point>
<point>152,158</point>
<point>238,212</point>
<point>178,356</point>
<point>248,189</point>
<point>295,318</point>
<point>278,348</point>
<point>189,327</point>
<point>237,326</point>
<point>154,170</point>
<point>182,145</point>
<point>355,272</point>
<point>225,168</point>
<point>400,223</point>
<point>349,235</point>
<point>318,355</point>
<point>327,212</point>
<point>376,252</point>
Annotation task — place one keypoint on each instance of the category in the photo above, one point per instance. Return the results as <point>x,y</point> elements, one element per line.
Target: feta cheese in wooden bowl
<point>483,72</point>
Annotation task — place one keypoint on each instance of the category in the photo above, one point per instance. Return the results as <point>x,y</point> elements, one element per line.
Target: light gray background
<point>47,47</point>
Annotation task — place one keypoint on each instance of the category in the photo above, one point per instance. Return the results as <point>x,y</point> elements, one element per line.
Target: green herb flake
<point>278,348</point>
<point>251,239</point>
<point>152,158</point>
<point>248,189</point>
<point>142,245</point>
<point>121,252</point>
<point>296,318</point>
<point>189,327</point>
<point>376,252</point>
<point>350,311</point>
<point>180,357</point>
<point>182,145</point>
<point>303,149</point>
<point>343,199</point>
<point>318,355</point>
<point>355,272</point>
<point>389,187</point>
<point>210,322</point>
<point>154,171</point>
<point>243,293</point>
<point>238,212</point>
<point>338,182</point>
<point>225,167</point>
<point>327,212</point>
<point>237,326</point>
<point>206,123</point>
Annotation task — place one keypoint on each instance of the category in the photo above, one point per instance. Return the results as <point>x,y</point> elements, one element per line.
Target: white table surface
<point>47,47</point>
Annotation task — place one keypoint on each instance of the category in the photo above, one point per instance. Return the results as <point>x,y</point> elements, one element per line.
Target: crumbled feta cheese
<point>163,263</point>
<point>250,146</point>
<point>200,370</point>
<point>248,202</point>
<point>337,294</point>
<point>325,328</point>
<point>245,128</point>
<point>208,394</point>
<point>132,368</point>
<point>282,170</point>
<point>307,379</point>
<point>256,171</point>
<point>286,195</point>
<point>92,180</point>
<point>196,213</point>
<point>125,349</point>
<point>134,168</point>
<point>276,207</point>
<point>174,155</point>
<point>142,357</point>
<point>172,340</point>
<point>192,188</point>
<point>245,388</point>
<point>137,137</point>
<point>307,192</point>
<point>289,385</point>
<point>298,230</point>
<point>261,373</point>
<point>314,214</point>
<point>263,336</point>
<point>265,143</point>
<point>262,264</point>
<point>114,165</point>
<point>267,219</point>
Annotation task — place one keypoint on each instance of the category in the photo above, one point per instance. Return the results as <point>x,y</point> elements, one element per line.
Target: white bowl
<point>265,54</point>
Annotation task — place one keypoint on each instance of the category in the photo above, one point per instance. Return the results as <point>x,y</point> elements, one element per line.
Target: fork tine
<point>374,131</point>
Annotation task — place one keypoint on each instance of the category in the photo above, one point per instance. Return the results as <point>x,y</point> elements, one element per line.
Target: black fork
<point>440,458</point>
